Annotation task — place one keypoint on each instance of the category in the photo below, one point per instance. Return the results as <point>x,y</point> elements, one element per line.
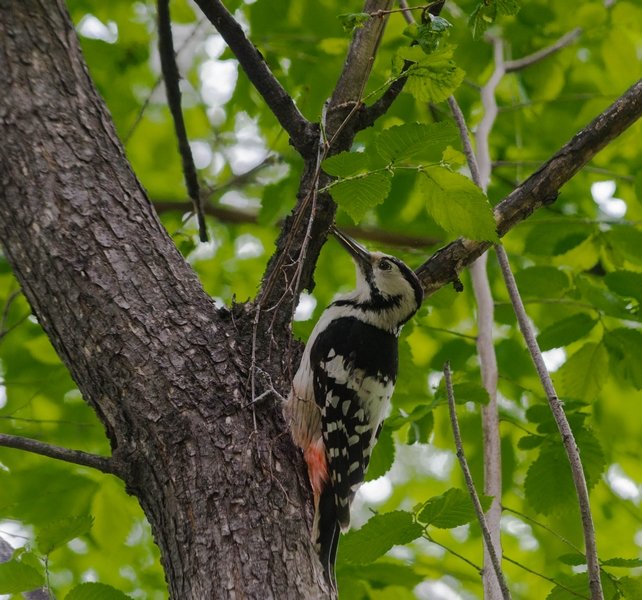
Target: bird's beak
<point>357,251</point>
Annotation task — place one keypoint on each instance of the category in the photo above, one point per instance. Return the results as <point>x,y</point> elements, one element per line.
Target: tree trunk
<point>164,369</point>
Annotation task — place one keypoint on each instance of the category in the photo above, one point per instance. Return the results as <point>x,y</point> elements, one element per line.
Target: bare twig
<point>568,438</point>
<point>298,127</point>
<point>172,88</point>
<point>470,484</point>
<point>521,63</point>
<point>102,463</point>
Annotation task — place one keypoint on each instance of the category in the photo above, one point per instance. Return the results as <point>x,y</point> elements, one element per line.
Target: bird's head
<point>386,286</point>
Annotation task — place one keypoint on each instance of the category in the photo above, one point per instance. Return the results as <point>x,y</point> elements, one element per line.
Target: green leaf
<point>631,587</point>
<point>421,428</point>
<point>627,241</point>
<point>638,186</point>
<point>528,442</point>
<point>16,577</point>
<point>406,141</point>
<point>431,78</point>
<point>429,34</point>
<point>357,196</point>
<point>457,204</point>
<point>383,455</point>
<point>575,585</point>
<point>583,374</point>
<point>542,282</point>
<point>573,559</point>
<point>548,486</point>
<point>351,21</point>
<point>377,536</point>
<point>451,509</point>
<point>625,283</point>
<point>96,591</point>
<point>603,299</point>
<point>628,563</point>
<point>55,534</point>
<point>482,17</point>
<point>508,7</point>
<point>345,164</point>
<point>565,331</point>
<point>625,346</point>
<point>382,574</point>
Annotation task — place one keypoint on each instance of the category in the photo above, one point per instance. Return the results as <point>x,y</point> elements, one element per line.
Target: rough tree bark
<point>166,371</point>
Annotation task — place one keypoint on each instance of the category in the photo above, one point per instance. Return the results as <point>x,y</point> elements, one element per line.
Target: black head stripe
<point>411,278</point>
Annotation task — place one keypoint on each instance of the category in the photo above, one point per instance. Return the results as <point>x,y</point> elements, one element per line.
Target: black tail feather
<point>328,533</point>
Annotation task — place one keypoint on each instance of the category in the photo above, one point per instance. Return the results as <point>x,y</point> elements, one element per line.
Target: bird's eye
<point>385,265</point>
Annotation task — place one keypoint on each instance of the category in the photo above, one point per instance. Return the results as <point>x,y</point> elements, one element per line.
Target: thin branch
<point>159,80</point>
<point>173,90</point>
<point>300,130</point>
<point>568,438</point>
<point>470,484</point>
<point>4,330</point>
<point>428,537</point>
<point>531,59</point>
<point>465,139</point>
<point>380,236</point>
<point>545,527</point>
<point>540,189</point>
<point>535,163</point>
<point>541,576</point>
<point>77,457</point>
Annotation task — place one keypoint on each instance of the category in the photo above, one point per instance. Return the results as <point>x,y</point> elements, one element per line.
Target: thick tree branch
<point>164,369</point>
<point>357,67</point>
<point>77,457</point>
<point>173,91</point>
<point>300,130</point>
<point>522,63</point>
<point>540,189</point>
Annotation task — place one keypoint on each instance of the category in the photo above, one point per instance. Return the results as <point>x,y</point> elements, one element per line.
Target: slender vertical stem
<point>568,439</point>
<point>479,511</point>
<point>480,166</point>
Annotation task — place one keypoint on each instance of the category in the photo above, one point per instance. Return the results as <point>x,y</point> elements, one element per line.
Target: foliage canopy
<point>578,264</point>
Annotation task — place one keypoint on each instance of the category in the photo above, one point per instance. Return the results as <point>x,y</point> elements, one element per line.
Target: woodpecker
<point>341,392</point>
